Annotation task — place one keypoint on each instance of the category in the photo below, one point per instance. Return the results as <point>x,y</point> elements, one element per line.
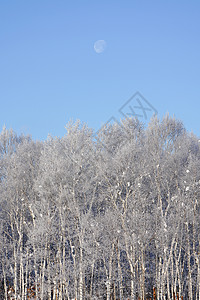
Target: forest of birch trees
<point>112,216</point>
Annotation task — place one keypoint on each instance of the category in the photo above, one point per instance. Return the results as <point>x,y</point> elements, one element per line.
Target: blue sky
<point>50,73</point>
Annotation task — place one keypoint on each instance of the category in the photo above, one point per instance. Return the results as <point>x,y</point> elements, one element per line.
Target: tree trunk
<point>5,284</point>
<point>108,286</point>
<point>81,274</point>
<point>189,266</point>
<point>119,272</point>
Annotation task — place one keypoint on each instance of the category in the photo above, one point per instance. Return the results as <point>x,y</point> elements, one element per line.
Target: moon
<point>100,46</point>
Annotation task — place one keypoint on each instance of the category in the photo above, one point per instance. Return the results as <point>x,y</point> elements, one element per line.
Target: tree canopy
<point>107,216</point>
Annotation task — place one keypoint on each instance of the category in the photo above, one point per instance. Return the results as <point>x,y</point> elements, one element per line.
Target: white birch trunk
<point>189,266</point>
<point>81,274</point>
<point>5,285</point>
<point>109,274</point>
<point>119,273</point>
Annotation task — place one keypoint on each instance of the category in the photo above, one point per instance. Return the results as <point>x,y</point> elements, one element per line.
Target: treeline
<point>111,217</point>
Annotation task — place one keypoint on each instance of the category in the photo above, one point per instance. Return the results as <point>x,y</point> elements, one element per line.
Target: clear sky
<point>50,72</point>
